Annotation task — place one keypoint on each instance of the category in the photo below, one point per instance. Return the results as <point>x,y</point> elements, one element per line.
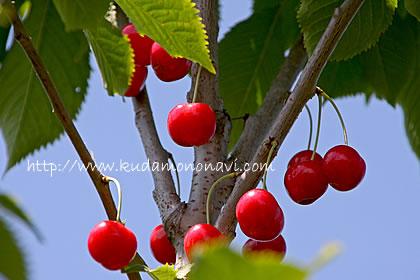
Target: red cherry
<point>277,246</point>
<point>111,244</point>
<point>201,235</point>
<point>191,124</point>
<point>141,45</point>
<point>137,81</point>
<point>343,167</point>
<point>259,215</point>
<point>162,248</point>
<point>305,182</point>
<point>166,67</point>
<point>304,155</point>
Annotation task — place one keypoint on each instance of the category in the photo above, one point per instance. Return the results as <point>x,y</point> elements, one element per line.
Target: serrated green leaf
<point>218,264</point>
<point>413,7</point>
<point>250,56</point>
<point>390,70</point>
<point>114,56</point>
<point>11,206</point>
<point>385,69</point>
<point>12,263</point>
<point>81,14</point>
<point>175,25</point>
<point>165,272</point>
<point>26,116</point>
<point>370,22</point>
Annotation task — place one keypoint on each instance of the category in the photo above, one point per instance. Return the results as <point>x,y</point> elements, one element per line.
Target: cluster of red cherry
<point>189,124</point>
<point>308,174</point>
<point>307,180</point>
<point>258,213</point>
<point>261,219</point>
<point>148,52</point>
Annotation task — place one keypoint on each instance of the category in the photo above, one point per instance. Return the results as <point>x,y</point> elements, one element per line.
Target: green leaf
<point>385,69</point>
<point>250,57</point>
<point>410,100</point>
<point>413,7</point>
<point>390,65</point>
<point>390,70</point>
<point>81,14</point>
<point>114,56</point>
<point>21,6</point>
<point>12,263</point>
<point>175,25</point>
<point>264,4</point>
<point>165,272</point>
<point>10,205</point>
<point>370,22</point>
<point>4,34</point>
<point>344,78</point>
<point>26,116</point>
<point>218,264</point>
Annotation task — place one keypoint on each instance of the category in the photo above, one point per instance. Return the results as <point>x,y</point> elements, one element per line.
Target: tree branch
<point>164,192</point>
<point>208,92</point>
<point>304,90</point>
<point>261,121</point>
<point>60,111</point>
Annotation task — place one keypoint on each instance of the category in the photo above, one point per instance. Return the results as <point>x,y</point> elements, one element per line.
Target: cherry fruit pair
<point>261,218</point>
<point>147,52</point>
<point>307,180</point>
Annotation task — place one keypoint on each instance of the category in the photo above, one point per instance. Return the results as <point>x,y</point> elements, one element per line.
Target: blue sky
<point>377,223</point>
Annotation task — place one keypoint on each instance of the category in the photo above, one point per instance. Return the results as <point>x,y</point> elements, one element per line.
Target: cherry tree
<point>294,50</point>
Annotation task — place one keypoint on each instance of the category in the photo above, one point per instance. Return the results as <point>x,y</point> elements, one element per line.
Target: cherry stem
<point>171,158</point>
<point>338,113</point>
<point>270,154</point>
<point>230,175</point>
<point>108,179</point>
<point>310,126</point>
<point>197,79</point>
<point>318,125</point>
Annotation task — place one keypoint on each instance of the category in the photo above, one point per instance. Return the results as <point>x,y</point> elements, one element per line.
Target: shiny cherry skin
<point>191,124</point>
<point>343,167</point>
<point>259,215</point>
<point>302,156</point>
<point>202,235</point>
<point>141,45</point>
<point>166,67</point>
<point>277,246</point>
<point>305,182</point>
<point>137,81</point>
<point>111,244</point>
<point>162,249</point>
